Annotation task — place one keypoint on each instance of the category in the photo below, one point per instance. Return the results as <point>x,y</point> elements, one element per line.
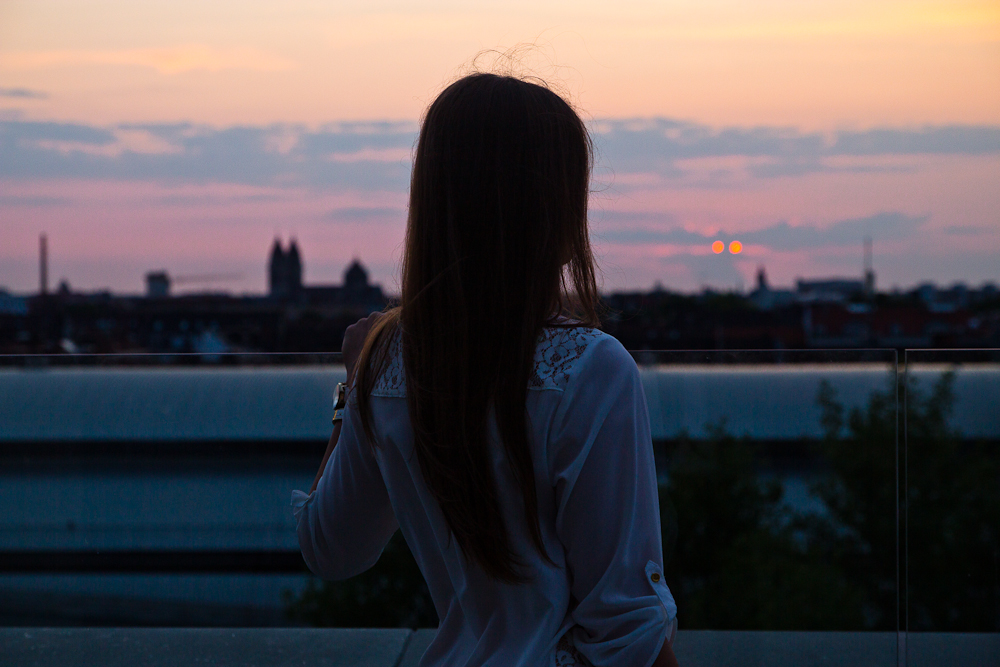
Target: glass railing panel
<point>778,475</point>
<point>154,489</point>
<point>952,455</point>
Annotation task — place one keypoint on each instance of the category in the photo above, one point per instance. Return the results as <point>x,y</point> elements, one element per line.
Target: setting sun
<point>735,247</point>
<point>718,247</point>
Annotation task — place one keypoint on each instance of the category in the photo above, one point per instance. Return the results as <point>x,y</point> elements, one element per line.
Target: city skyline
<point>161,282</point>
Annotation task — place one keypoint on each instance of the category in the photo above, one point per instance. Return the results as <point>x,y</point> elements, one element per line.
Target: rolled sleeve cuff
<point>299,501</point>
<point>654,575</point>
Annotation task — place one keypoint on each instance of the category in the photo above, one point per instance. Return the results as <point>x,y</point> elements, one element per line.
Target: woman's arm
<point>326,457</point>
<point>354,340</point>
<point>345,522</point>
<point>666,658</point>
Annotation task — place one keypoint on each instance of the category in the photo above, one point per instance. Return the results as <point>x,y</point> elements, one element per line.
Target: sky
<point>185,136</point>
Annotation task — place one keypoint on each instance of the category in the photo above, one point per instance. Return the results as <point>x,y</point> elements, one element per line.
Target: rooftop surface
<point>246,647</point>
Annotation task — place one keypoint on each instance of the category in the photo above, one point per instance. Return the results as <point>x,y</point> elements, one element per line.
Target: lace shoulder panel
<point>557,351</point>
<point>391,382</point>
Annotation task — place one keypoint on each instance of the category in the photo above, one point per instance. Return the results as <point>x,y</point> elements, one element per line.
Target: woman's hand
<point>354,340</point>
<point>666,657</point>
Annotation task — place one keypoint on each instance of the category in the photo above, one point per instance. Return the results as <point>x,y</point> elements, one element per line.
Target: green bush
<point>392,594</point>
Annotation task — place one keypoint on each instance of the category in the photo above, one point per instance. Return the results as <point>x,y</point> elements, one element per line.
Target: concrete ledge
<point>418,643</point>
<point>167,647</point>
<point>343,647</point>
<point>725,648</point>
<point>969,649</point>
<point>43,608</point>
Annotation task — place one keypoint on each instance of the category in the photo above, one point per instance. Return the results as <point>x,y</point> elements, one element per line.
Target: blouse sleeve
<point>607,512</point>
<point>344,525</point>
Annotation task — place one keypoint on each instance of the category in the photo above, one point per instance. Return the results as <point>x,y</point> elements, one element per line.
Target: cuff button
<point>655,577</point>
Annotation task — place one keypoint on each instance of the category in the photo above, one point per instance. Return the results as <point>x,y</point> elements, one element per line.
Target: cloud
<point>16,134</point>
<point>126,141</point>
<point>655,141</point>
<point>23,93</point>
<point>964,230</point>
<point>791,167</point>
<point>675,139</point>
<point>31,201</point>
<point>601,215</point>
<point>666,147</point>
<point>372,155</point>
<point>646,236</point>
<point>204,199</point>
<point>377,155</point>
<point>781,236</point>
<point>253,155</point>
<point>881,226</point>
<point>951,140</point>
<point>361,214</point>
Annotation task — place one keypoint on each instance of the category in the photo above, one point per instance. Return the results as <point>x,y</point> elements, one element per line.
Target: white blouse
<point>597,502</point>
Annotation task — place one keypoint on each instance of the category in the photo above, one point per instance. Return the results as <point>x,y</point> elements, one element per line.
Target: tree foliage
<point>953,519</point>
<point>392,594</point>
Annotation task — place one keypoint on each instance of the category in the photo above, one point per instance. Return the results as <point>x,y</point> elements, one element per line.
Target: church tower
<point>293,266</point>
<point>285,271</point>
<point>356,278</point>
<point>277,272</point>
<point>761,279</point>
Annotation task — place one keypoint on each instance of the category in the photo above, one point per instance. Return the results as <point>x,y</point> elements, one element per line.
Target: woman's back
<point>596,492</point>
<point>514,455</point>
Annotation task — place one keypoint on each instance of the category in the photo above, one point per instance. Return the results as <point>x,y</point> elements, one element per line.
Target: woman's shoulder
<point>559,354</point>
<point>391,382</point>
<point>562,350</point>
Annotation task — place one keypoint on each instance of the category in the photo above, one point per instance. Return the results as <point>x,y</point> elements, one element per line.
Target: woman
<point>488,420</point>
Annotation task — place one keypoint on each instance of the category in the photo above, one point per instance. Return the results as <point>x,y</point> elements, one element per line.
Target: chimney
<point>43,265</point>
<point>869,272</point>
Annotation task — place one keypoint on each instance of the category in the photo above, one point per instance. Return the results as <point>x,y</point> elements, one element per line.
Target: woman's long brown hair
<point>496,248</point>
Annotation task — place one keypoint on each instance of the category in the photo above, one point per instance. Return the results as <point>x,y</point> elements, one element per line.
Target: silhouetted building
<point>766,298</point>
<point>830,290</point>
<point>43,265</point>
<point>285,271</point>
<point>869,271</point>
<point>157,284</point>
<point>356,291</point>
<point>12,305</point>
<point>294,317</point>
<point>355,278</point>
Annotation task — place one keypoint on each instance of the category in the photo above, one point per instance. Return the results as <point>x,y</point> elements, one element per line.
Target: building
<point>157,284</point>
<point>285,282</point>
<point>284,271</point>
<point>766,298</point>
<point>12,305</point>
<point>829,290</point>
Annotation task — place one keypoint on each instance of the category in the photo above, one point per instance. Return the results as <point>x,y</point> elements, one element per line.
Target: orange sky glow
<point>822,64</point>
